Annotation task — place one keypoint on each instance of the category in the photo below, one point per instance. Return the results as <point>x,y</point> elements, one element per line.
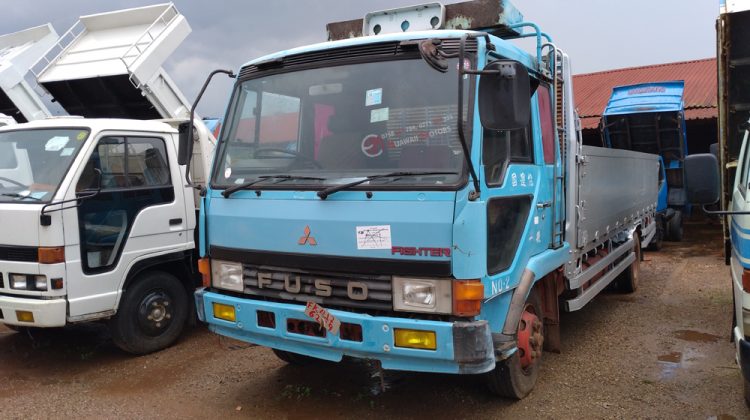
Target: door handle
<point>174,222</point>
<point>544,204</point>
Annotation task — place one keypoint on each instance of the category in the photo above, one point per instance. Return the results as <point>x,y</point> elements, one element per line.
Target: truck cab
<point>739,260</point>
<point>97,224</point>
<point>417,196</point>
<point>650,118</point>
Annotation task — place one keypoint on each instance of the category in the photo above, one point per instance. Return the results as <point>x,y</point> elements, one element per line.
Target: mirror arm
<point>723,212</point>
<point>229,73</point>
<point>473,195</point>
<point>45,219</point>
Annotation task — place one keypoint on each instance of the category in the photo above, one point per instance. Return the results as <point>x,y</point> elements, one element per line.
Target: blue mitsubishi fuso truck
<point>415,192</point>
<point>650,118</point>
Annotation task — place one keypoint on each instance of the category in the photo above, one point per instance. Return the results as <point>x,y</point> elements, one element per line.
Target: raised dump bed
<point>109,64</point>
<point>18,52</point>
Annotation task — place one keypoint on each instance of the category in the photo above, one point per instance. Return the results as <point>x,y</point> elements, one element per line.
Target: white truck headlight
<point>422,295</point>
<point>31,282</point>
<point>227,275</point>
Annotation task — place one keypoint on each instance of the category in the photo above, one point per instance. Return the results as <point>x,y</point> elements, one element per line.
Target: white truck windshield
<point>341,123</point>
<point>33,162</point>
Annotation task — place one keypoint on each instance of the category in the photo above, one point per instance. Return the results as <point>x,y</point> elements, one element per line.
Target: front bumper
<point>462,347</point>
<point>47,312</point>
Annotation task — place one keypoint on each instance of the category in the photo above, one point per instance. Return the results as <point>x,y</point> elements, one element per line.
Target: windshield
<point>33,162</point>
<point>343,123</point>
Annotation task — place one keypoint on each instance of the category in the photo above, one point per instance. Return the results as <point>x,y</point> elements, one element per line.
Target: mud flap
<point>472,347</point>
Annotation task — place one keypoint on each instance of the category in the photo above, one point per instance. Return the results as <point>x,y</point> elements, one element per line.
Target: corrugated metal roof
<point>592,90</point>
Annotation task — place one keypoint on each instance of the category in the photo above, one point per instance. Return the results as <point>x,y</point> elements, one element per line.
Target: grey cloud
<point>597,34</point>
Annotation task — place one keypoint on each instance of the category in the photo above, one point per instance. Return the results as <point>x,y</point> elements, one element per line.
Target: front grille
<point>281,283</point>
<point>2,284</point>
<point>19,253</point>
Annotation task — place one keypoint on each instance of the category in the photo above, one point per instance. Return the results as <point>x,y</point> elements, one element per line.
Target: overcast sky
<point>597,34</point>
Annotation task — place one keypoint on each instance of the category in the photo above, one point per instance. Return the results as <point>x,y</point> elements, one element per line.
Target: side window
<point>134,176</point>
<point>500,147</point>
<point>130,162</point>
<point>546,120</point>
<point>742,184</point>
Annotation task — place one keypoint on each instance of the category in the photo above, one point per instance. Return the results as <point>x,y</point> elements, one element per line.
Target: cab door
<point>138,213</point>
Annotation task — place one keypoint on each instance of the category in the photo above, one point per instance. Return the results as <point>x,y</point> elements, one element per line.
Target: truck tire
<point>746,391</point>
<point>674,227</point>
<point>151,315</point>
<point>627,281</point>
<point>658,242</point>
<point>516,376</point>
<point>294,358</point>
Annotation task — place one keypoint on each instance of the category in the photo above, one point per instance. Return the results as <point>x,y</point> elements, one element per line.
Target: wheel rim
<point>530,337</point>
<point>155,313</point>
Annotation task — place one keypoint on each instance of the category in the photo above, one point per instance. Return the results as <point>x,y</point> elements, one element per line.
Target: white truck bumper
<point>47,312</point>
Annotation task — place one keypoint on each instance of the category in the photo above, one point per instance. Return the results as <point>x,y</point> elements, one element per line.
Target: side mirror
<point>504,95</point>
<point>702,178</point>
<point>185,149</point>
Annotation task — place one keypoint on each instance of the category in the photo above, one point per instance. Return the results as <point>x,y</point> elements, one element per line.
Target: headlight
<point>422,295</point>
<point>29,282</point>
<point>227,275</point>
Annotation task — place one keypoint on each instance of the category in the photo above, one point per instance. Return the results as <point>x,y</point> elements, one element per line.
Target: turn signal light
<point>746,280</point>
<point>415,339</point>
<point>204,267</point>
<point>225,312</point>
<point>51,255</point>
<point>25,316</point>
<point>467,297</point>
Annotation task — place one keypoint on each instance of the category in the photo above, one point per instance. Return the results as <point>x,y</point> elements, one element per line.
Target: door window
<point>134,175</point>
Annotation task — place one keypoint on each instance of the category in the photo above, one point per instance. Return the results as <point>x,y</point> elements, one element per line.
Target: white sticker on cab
<point>378,115</point>
<point>374,97</point>
<point>374,237</point>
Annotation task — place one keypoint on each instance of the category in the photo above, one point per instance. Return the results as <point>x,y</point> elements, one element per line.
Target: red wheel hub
<point>530,337</point>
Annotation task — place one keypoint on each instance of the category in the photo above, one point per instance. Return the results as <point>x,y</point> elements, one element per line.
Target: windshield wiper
<point>17,195</point>
<point>231,190</point>
<point>323,194</point>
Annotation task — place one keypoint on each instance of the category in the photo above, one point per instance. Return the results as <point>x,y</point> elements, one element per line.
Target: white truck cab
<point>97,223</point>
<point>738,222</point>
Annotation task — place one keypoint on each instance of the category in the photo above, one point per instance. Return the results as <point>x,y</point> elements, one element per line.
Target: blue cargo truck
<point>650,118</point>
<point>415,192</point>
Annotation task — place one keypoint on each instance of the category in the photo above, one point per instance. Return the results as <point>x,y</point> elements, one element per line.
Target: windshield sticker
<point>38,194</point>
<point>373,145</point>
<point>378,115</point>
<point>374,237</point>
<point>55,144</point>
<point>374,97</point>
<point>67,151</point>
<point>81,135</point>
<point>227,172</point>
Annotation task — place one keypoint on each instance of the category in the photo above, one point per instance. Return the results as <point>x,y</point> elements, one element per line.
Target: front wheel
<point>658,241</point>
<point>152,313</point>
<point>674,227</point>
<point>516,376</point>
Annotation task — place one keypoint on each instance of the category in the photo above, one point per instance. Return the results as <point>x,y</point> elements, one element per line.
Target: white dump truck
<point>98,220</point>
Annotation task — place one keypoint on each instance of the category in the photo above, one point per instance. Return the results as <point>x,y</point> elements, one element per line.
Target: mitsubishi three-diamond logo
<point>307,238</point>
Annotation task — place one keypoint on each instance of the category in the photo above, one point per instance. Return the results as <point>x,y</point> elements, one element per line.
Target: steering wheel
<point>2,178</point>
<point>295,154</point>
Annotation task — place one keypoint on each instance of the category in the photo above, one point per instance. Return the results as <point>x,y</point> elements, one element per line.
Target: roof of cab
<point>504,47</point>
<point>98,124</point>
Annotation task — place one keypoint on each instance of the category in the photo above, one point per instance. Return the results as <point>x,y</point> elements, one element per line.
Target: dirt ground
<point>662,352</point>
